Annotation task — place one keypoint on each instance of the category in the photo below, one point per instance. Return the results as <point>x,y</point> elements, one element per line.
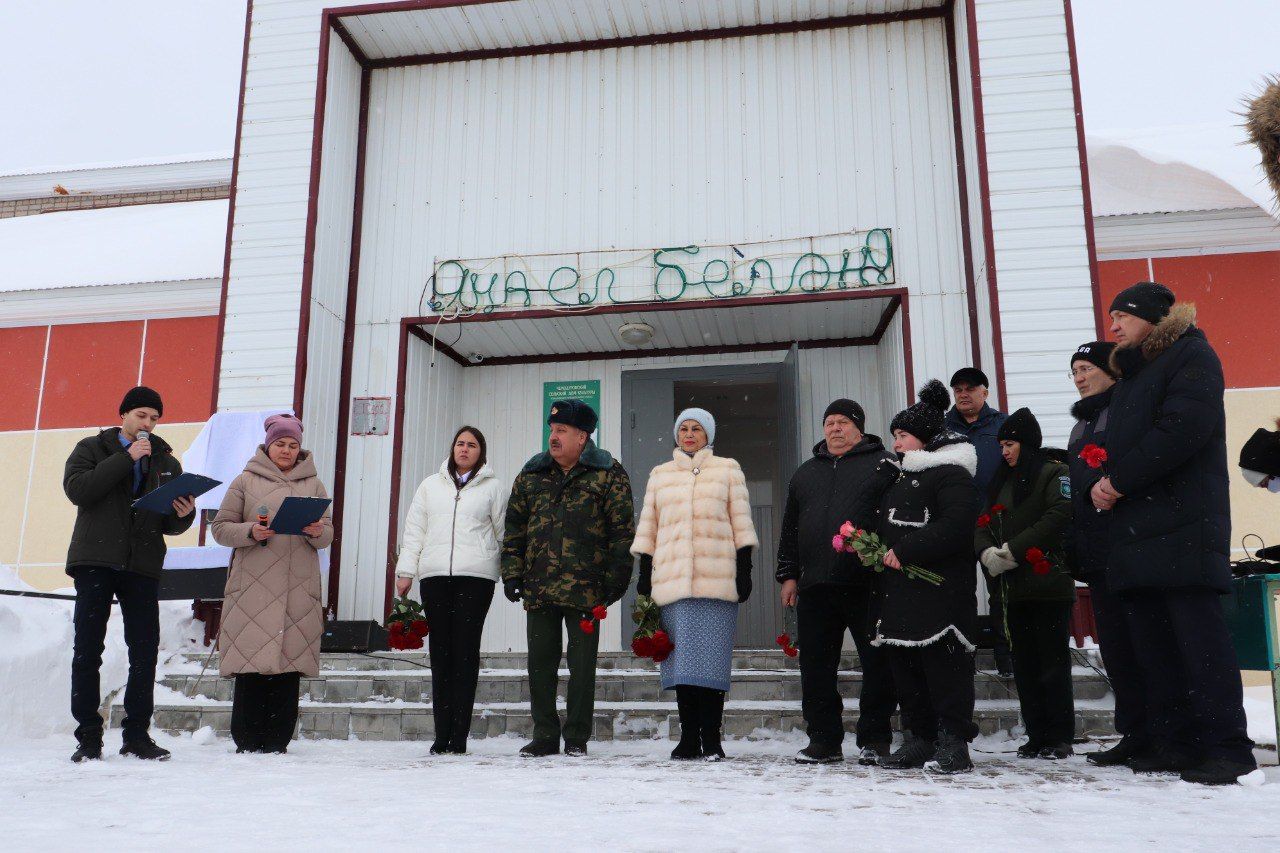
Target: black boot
<point>818,752</point>
<point>575,748</point>
<point>90,749</point>
<point>1128,748</point>
<point>146,749</point>
<point>690,745</point>
<point>913,754</point>
<point>1031,748</point>
<point>710,720</point>
<point>952,755</point>
<point>1055,752</point>
<point>1162,759</point>
<point>540,748</point>
<point>873,753</point>
<point>1217,771</point>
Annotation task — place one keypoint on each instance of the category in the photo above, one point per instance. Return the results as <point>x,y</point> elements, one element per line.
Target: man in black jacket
<point>117,551</point>
<point>832,591</point>
<point>1166,487</point>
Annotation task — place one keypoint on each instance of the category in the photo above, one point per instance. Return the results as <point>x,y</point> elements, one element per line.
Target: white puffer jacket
<point>452,531</point>
<point>697,514</point>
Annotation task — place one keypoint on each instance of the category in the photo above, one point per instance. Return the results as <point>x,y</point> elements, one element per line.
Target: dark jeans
<point>455,608</point>
<point>544,627</point>
<point>95,587</point>
<point>1195,699</point>
<point>935,686</point>
<point>264,711</point>
<point>1040,634</point>
<point>1118,656</point>
<point>823,614</point>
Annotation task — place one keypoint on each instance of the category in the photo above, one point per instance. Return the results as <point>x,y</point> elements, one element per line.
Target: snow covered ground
<point>330,795</point>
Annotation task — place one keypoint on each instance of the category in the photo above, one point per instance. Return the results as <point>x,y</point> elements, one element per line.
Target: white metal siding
<point>1046,302</point>
<point>1194,233</point>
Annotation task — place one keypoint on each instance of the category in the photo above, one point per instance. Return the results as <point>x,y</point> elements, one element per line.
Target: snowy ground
<point>329,795</point>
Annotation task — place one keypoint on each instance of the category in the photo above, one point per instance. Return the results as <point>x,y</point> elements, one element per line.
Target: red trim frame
<point>1094,281</point>
<point>231,214</point>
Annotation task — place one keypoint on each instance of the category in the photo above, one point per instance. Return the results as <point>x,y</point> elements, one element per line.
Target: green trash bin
<point>1253,614</point>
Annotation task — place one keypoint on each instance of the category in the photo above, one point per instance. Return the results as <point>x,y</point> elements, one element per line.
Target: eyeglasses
<point>1082,370</point>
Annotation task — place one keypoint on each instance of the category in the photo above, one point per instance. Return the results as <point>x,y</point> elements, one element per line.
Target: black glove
<point>644,586</point>
<point>513,589</point>
<point>744,574</point>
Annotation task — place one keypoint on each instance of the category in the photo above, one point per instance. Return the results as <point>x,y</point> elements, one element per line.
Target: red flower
<point>642,646</point>
<point>587,626</point>
<point>1034,555</point>
<point>999,508</point>
<point>413,641</point>
<point>662,638</point>
<point>1042,568</point>
<point>791,651</point>
<point>419,627</point>
<point>984,520</point>
<point>1093,455</point>
<point>600,611</point>
<point>783,640</point>
<point>396,628</point>
<point>659,657</point>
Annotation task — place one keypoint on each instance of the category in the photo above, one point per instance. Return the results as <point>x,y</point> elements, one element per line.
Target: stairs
<point>388,697</point>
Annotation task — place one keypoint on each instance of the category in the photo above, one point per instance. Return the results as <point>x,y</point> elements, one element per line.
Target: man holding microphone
<point>118,552</point>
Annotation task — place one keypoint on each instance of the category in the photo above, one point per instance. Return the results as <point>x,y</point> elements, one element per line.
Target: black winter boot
<point>1056,752</point>
<point>710,721</point>
<point>820,753</point>
<point>1162,759</point>
<point>913,753</point>
<point>872,754</point>
<point>1128,748</point>
<point>1217,771</point>
<point>575,748</point>
<point>690,745</point>
<point>1030,749</point>
<point>146,749</point>
<point>540,748</point>
<point>90,749</point>
<point>952,755</point>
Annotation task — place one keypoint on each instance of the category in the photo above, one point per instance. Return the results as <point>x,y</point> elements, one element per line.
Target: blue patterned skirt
<point>702,630</point>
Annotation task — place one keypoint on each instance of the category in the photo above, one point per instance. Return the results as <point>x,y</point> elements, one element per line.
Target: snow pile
<point>1261,711</point>
<point>36,637</point>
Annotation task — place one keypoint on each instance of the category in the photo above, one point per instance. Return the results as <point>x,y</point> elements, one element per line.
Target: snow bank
<point>36,637</point>
<point>1261,711</point>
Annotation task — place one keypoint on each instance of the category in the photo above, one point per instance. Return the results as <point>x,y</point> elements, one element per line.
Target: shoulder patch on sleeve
<point>1064,486</point>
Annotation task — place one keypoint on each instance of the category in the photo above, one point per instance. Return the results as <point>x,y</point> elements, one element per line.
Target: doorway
<point>755,410</point>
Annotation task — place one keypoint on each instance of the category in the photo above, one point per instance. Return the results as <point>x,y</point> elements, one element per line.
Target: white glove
<point>998,560</point>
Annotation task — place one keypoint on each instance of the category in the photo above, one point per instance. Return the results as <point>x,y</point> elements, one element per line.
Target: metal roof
<point>198,172</point>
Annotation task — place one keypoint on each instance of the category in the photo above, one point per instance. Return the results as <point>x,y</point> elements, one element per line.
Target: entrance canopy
<point>818,320</point>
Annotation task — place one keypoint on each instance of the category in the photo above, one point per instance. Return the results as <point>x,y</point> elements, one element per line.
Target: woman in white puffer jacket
<point>452,540</point>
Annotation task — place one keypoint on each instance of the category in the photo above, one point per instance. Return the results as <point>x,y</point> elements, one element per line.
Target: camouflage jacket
<point>568,536</point>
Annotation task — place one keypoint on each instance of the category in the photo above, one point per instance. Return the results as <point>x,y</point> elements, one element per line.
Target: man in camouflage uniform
<point>566,550</point>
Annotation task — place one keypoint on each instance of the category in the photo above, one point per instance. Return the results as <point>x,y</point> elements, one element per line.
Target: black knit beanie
<point>139,398</point>
<point>1097,353</point>
<point>850,409</point>
<point>1023,428</point>
<point>574,413</point>
<point>927,417</point>
<point>1147,299</point>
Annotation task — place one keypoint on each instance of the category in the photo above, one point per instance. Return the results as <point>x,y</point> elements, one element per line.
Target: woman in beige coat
<point>272,618</point>
<point>694,541</point>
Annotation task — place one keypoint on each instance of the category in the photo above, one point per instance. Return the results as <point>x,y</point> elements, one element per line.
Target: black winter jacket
<point>108,532</point>
<point>927,518</point>
<point>824,493</point>
<point>1091,528</point>
<point>1168,457</point>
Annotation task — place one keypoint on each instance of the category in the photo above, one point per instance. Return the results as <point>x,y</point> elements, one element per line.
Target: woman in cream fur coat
<point>694,541</point>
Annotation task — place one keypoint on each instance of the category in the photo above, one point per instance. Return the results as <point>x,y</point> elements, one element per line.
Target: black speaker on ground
<point>350,635</point>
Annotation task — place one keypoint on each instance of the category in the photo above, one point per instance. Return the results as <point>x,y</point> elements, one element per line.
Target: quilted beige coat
<point>272,618</point>
<point>696,515</point>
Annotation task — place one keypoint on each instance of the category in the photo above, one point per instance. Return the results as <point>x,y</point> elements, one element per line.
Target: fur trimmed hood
<point>1262,123</point>
<point>1181,318</point>
<point>592,457</point>
<point>947,449</point>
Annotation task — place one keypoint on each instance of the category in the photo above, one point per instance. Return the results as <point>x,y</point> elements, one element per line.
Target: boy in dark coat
<point>1020,541</point>
<point>1166,485</point>
<point>927,520</point>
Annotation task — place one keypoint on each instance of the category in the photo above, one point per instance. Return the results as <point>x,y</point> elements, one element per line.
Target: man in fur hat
<point>1169,539</point>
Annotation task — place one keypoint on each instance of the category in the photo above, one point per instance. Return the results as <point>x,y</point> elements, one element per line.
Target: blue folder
<point>161,499</point>
<point>296,513</point>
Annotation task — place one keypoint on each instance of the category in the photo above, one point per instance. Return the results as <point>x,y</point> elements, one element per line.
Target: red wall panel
<point>1115,276</point>
<point>91,366</point>
<point>178,363</point>
<point>1237,299</point>
<point>21,359</point>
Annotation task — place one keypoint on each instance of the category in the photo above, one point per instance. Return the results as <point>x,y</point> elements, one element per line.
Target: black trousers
<point>935,687</point>
<point>455,608</point>
<point>1195,699</point>
<point>1121,661</point>
<point>264,711</point>
<point>1040,633</point>
<point>823,614</point>
<point>140,610</point>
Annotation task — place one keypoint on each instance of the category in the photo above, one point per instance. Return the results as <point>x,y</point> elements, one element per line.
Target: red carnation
<point>642,647</point>
<point>1042,568</point>
<point>659,657</point>
<point>396,628</point>
<point>791,651</point>
<point>419,627</point>
<point>414,641</point>
<point>784,640</point>
<point>587,626</point>
<point>1034,555</point>
<point>1093,455</point>
<point>984,520</point>
<point>998,508</point>
<point>599,611</point>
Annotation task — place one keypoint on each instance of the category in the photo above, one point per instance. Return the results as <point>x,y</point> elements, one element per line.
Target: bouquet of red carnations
<point>587,624</point>
<point>406,626</point>
<point>649,640</point>
<point>870,550</point>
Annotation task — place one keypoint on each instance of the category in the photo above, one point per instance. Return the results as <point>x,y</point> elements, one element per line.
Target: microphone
<point>144,464</point>
<point>262,519</point>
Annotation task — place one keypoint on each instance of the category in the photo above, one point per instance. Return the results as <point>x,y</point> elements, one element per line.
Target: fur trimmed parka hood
<point>1180,320</point>
<point>1262,123</point>
<point>949,448</point>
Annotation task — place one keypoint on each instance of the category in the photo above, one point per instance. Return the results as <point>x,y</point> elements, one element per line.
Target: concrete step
<point>613,720</point>
<point>612,685</point>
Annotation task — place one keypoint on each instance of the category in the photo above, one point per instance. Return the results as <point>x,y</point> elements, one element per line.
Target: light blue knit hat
<point>702,416</point>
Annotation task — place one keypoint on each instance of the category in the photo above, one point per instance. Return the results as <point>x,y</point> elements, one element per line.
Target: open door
<point>648,406</point>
